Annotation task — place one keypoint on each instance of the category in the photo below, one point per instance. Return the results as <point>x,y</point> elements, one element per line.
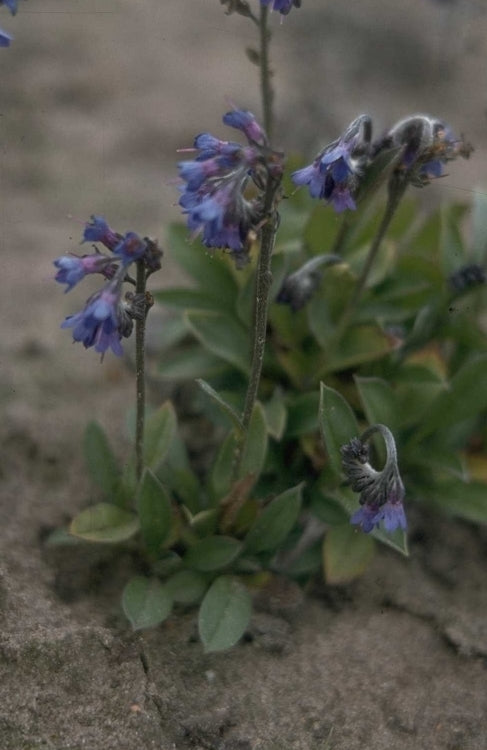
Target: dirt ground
<point>96,96</point>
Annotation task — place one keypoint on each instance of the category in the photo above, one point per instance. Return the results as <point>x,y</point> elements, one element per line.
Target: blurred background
<point>98,95</point>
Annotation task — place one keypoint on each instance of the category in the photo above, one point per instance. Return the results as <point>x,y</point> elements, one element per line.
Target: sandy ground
<point>96,96</point>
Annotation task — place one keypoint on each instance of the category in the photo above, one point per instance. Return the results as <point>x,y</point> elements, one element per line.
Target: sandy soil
<point>96,97</point>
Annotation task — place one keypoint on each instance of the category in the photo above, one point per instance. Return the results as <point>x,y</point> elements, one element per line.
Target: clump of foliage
<point>325,353</point>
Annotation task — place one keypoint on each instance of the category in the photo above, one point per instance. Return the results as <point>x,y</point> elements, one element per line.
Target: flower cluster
<point>217,196</point>
<point>283,6</point>
<point>107,317</point>
<point>5,38</point>
<point>426,144</point>
<point>334,174</point>
<point>423,145</point>
<point>381,492</point>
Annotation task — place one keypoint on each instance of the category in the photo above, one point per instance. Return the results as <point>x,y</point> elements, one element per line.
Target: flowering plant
<point>310,356</point>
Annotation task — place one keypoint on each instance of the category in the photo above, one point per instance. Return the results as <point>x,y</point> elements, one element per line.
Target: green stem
<point>266,92</point>
<point>140,288</point>
<point>395,195</point>
<point>263,283</point>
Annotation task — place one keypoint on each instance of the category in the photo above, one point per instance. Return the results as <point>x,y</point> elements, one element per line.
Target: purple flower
<point>130,248</point>
<point>283,6</point>
<point>97,230</point>
<point>73,268</point>
<point>245,121</point>
<point>99,323</point>
<point>215,182</point>
<point>11,5</point>
<point>381,492</point>
<point>427,145</point>
<point>334,174</point>
<point>5,39</point>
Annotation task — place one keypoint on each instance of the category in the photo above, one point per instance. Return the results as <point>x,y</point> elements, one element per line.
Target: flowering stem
<point>140,288</point>
<point>395,194</point>
<point>265,72</point>
<point>263,283</point>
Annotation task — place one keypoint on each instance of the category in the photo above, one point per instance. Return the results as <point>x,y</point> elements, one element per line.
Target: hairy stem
<point>395,195</point>
<point>263,283</point>
<point>140,288</point>
<point>266,92</point>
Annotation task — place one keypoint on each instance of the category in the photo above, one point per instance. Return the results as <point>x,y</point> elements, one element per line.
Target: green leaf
<point>346,554</point>
<point>212,553</point>
<point>187,299</point>
<point>223,336</point>
<point>224,614</point>
<point>186,586</point>
<point>189,363</point>
<point>397,540</point>
<point>100,459</point>
<point>461,499</point>
<point>146,602</point>
<point>211,271</point>
<point>275,522</point>
<point>451,242</point>
<point>479,230</point>
<point>466,397</point>
<point>303,414</point>
<point>61,538</point>
<point>221,473</point>
<point>275,414</point>
<point>360,343</point>
<point>379,401</point>
<point>160,428</point>
<point>155,514</point>
<point>225,407</point>
<point>337,422</point>
<point>255,447</point>
<point>104,523</point>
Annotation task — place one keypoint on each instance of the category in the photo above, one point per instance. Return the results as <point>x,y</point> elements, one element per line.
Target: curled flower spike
<point>283,6</point>
<point>298,288</point>
<point>335,173</point>
<point>428,144</point>
<point>381,492</point>
<point>214,196</point>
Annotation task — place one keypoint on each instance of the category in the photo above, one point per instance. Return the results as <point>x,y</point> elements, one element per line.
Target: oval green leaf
<point>155,514</point>
<point>347,553</point>
<point>224,614</point>
<point>337,423</point>
<point>159,433</point>
<point>187,586</point>
<point>223,335</point>
<point>255,448</point>
<point>146,602</point>
<point>212,553</point>
<point>104,523</point>
<point>275,522</point>
<point>100,459</point>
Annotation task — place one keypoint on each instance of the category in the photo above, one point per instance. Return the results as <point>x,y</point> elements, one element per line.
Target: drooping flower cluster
<point>6,38</point>
<point>427,144</point>
<point>421,145</point>
<point>283,6</point>
<point>222,196</point>
<point>381,492</point>
<point>107,317</point>
<point>335,173</point>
